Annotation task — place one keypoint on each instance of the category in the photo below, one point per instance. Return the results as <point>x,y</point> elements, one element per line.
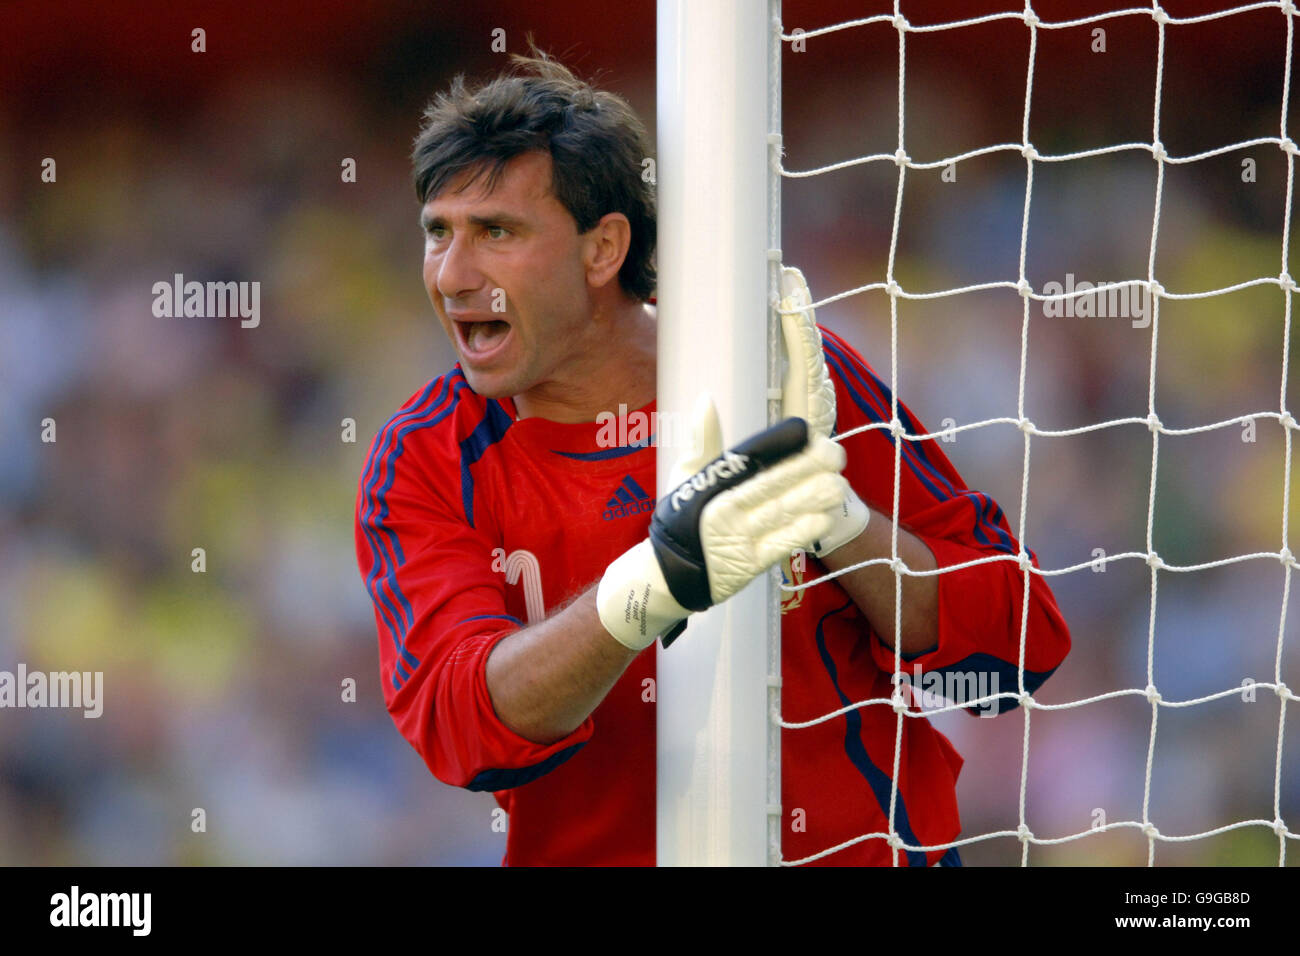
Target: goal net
<point>1063,238</point>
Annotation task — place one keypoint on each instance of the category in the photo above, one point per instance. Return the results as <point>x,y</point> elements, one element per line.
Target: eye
<point>497,232</point>
<point>436,232</point>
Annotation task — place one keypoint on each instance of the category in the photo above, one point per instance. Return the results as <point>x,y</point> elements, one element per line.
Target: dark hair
<point>596,142</point>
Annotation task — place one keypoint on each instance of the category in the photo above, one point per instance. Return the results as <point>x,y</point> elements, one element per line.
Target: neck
<point>615,366</point>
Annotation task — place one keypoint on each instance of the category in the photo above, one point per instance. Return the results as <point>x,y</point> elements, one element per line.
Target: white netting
<point>1021,420</point>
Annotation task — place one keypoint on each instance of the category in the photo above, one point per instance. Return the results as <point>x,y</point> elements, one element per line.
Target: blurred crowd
<point>225,689</point>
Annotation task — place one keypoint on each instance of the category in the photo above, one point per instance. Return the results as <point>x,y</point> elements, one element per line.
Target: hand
<point>807,392</point>
<point>729,517</point>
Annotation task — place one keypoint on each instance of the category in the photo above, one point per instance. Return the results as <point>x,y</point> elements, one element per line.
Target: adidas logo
<point>629,499</point>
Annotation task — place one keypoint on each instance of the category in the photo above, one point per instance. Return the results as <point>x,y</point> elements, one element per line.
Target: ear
<point>605,247</point>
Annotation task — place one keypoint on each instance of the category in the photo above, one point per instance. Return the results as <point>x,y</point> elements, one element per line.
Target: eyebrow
<point>428,222</point>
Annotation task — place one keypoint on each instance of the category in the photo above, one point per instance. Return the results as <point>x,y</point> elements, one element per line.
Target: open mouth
<point>481,340</point>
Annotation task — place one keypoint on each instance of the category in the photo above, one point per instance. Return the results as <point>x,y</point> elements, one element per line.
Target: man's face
<point>505,273</point>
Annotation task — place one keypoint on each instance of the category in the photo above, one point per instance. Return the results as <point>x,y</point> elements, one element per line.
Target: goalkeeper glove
<point>729,517</point>
<point>807,392</point>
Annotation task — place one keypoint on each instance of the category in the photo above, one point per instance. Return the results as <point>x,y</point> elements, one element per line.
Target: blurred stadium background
<point>222,689</point>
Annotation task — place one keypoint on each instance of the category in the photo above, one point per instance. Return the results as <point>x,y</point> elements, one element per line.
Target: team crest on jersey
<point>793,567</point>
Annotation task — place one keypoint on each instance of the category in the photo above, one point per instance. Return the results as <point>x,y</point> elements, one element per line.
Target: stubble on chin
<point>489,385</point>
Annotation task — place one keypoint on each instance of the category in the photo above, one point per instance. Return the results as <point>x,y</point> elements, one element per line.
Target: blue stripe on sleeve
<point>407,621</point>
<point>866,396</point>
<point>387,559</point>
<point>877,779</point>
<point>516,777</point>
<point>493,617</point>
<point>379,553</point>
<point>1003,672</point>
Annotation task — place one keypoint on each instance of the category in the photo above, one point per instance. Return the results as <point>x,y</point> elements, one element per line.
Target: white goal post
<point>718,751</point>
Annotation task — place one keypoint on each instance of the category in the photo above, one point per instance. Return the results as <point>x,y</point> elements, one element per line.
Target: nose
<point>457,271</point>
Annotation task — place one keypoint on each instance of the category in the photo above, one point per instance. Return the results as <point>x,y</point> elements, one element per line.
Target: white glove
<point>807,392</point>
<point>729,517</point>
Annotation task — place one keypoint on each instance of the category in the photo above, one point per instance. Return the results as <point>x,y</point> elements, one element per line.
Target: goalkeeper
<point>521,570</point>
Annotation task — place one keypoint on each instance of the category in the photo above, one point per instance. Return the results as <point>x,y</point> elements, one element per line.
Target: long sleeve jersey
<point>472,524</point>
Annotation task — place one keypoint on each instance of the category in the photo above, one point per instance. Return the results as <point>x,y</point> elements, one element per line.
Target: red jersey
<point>470,524</point>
